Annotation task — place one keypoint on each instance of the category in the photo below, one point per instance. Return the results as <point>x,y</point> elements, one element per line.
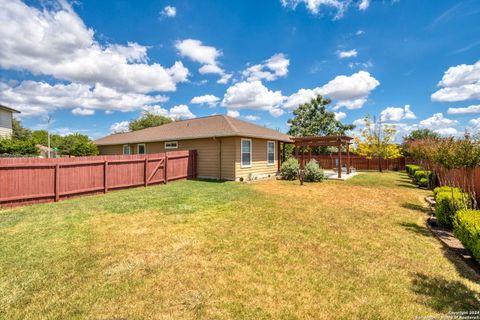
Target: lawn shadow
<point>210,180</point>
<point>413,227</point>
<point>416,207</point>
<point>443,295</point>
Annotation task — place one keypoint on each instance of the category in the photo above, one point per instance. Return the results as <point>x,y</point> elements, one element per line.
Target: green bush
<point>411,168</point>
<point>466,227</point>
<point>289,169</point>
<point>445,189</point>
<point>18,147</point>
<point>423,182</point>
<point>313,173</point>
<point>422,174</point>
<point>449,202</point>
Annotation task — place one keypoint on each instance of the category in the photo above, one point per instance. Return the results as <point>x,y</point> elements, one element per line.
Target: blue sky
<point>94,65</point>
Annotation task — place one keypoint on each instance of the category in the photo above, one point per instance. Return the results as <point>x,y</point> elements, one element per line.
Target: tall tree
<point>147,120</point>
<point>377,140</point>
<point>421,134</point>
<point>41,137</point>
<point>77,145</point>
<point>19,131</point>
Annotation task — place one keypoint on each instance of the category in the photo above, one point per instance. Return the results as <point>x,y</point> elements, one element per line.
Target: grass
<point>268,250</point>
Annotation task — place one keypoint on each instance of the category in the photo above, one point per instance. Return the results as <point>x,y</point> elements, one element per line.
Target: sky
<point>92,66</point>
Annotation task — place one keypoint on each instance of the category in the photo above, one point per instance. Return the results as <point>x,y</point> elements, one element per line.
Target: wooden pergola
<point>301,143</point>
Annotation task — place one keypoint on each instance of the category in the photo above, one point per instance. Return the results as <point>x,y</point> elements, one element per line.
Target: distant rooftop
<point>2,107</point>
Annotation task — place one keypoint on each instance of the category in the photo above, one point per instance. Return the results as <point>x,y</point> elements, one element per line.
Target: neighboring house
<point>44,152</point>
<point>6,119</point>
<point>227,148</point>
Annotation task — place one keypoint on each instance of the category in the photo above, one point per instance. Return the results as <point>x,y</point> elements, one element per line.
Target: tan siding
<point>259,167</point>
<point>228,158</point>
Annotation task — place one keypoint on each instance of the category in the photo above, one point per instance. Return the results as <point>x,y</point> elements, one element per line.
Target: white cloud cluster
<point>271,69</point>
<point>205,55</point>
<point>397,113</point>
<point>440,124</point>
<point>56,42</point>
<point>119,127</point>
<point>347,54</point>
<point>36,98</point>
<point>251,117</point>
<point>178,112</point>
<point>459,83</point>
<point>466,110</point>
<point>253,95</point>
<point>208,99</point>
<point>233,113</point>
<point>169,12</point>
<point>314,6</point>
<point>340,115</point>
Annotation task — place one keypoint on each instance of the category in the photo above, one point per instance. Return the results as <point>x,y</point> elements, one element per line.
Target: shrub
<point>289,169</point>
<point>411,168</point>
<point>449,202</point>
<point>466,227</point>
<point>313,173</point>
<point>423,182</point>
<point>445,189</point>
<point>18,147</point>
<point>421,174</point>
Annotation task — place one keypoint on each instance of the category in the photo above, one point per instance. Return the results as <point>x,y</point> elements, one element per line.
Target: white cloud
<point>459,83</point>
<point>37,98</point>
<point>177,112</point>
<point>205,55</point>
<point>83,112</point>
<point>347,54</point>
<point>363,5</point>
<point>446,131</point>
<point>340,6</point>
<point>340,115</point>
<point>250,117</point>
<point>465,110</point>
<point>209,99</point>
<point>350,92</point>
<point>253,95</point>
<point>169,11</point>
<point>55,42</point>
<point>360,32</point>
<point>181,112</point>
<point>438,121</point>
<point>233,113</point>
<point>397,114</point>
<point>475,122</point>
<point>118,127</point>
<point>271,69</point>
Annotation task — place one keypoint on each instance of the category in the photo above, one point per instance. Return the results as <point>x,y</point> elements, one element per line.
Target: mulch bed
<point>447,238</point>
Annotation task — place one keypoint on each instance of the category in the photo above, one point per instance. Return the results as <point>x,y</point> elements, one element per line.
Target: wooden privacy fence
<point>30,180</point>
<point>361,163</point>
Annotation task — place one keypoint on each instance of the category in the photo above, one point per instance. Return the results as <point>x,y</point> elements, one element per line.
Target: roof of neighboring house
<point>2,107</point>
<point>206,127</point>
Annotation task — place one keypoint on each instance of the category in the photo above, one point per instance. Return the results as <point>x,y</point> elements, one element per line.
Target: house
<point>227,148</point>
<point>6,119</point>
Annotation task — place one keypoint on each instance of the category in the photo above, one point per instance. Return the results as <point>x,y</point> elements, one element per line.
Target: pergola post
<point>348,158</point>
<point>339,160</point>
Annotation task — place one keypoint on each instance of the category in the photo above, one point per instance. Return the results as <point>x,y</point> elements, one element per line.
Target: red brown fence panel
<point>360,163</point>
<point>31,180</point>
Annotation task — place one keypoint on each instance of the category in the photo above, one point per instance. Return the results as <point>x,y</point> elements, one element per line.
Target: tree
<point>376,140</point>
<point>147,120</point>
<point>421,134</point>
<point>312,118</point>
<point>41,137</point>
<point>77,145</point>
<point>19,131</point>
<point>15,147</point>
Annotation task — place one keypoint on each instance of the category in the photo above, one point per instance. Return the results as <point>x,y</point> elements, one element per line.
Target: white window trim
<point>274,152</point>
<point>129,150</point>
<point>170,148</point>
<point>241,153</point>
<point>144,148</point>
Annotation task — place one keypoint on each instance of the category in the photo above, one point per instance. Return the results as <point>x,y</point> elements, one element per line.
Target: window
<point>246,153</point>
<point>126,149</point>
<point>270,152</point>
<point>141,149</point>
<point>171,145</point>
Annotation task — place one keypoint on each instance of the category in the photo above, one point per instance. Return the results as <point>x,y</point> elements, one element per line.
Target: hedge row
<point>421,176</point>
<point>448,201</point>
<point>466,227</point>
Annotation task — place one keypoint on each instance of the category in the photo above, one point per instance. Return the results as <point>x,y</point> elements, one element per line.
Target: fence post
<point>145,172</point>
<point>105,176</point>
<point>165,167</point>
<point>57,182</point>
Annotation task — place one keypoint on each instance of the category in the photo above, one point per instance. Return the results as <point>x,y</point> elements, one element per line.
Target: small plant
<point>289,169</point>
<point>313,172</point>
<point>445,189</point>
<point>423,182</point>
<point>411,168</point>
<point>448,203</point>
<point>466,227</point>
<point>422,175</point>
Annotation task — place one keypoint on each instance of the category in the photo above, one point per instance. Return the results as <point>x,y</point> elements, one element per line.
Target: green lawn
<point>268,250</point>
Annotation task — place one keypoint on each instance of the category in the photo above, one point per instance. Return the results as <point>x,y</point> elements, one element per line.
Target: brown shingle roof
<point>206,127</point>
